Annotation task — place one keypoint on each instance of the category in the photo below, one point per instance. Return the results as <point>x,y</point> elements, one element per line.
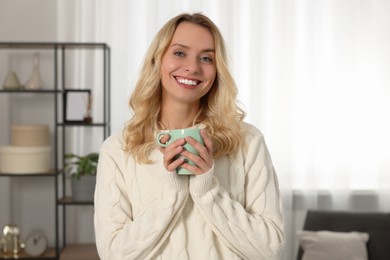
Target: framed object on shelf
<point>76,105</point>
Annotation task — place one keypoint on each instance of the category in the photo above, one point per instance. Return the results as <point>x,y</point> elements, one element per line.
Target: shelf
<point>79,251</point>
<point>45,45</point>
<point>25,91</point>
<point>52,173</point>
<point>69,201</point>
<point>49,254</point>
<point>82,124</point>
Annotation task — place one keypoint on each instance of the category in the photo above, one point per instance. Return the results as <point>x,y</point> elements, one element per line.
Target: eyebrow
<point>186,47</point>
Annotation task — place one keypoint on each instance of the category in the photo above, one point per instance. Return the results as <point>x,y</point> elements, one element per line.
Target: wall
<point>29,202</point>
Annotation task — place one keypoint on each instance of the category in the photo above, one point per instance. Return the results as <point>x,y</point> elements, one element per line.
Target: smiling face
<point>188,69</point>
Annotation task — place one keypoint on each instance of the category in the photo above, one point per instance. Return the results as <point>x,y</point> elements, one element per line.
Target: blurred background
<point>313,76</point>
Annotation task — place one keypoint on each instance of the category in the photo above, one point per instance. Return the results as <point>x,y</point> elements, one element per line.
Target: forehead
<point>193,35</point>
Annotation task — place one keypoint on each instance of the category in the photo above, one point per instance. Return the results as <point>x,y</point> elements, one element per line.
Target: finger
<point>195,170</point>
<point>173,145</point>
<point>180,141</point>
<point>200,162</point>
<point>202,150</point>
<point>175,163</point>
<point>198,146</point>
<point>207,140</point>
<point>170,153</point>
<point>164,139</point>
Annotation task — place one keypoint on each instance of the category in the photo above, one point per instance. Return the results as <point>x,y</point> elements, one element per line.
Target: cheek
<point>165,71</point>
<point>168,65</point>
<point>212,75</point>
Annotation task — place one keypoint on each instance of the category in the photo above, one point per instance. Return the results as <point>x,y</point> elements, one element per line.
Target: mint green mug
<point>178,134</point>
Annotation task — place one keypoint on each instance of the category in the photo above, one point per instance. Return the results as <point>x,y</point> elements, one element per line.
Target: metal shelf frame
<point>59,49</point>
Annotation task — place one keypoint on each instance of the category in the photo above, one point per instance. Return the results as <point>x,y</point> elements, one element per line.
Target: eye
<point>179,53</point>
<point>206,59</point>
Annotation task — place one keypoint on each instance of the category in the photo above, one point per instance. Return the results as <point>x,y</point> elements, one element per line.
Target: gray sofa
<point>377,225</point>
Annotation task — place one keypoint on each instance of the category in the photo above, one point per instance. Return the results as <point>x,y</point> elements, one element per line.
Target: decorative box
<point>24,159</point>
<point>30,135</point>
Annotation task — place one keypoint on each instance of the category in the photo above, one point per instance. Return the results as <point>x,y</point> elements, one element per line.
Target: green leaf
<point>77,166</point>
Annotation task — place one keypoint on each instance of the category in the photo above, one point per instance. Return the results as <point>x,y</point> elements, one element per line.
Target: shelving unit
<point>60,128</point>
<point>49,254</point>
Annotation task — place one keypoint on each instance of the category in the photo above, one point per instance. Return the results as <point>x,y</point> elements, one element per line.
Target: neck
<point>179,116</point>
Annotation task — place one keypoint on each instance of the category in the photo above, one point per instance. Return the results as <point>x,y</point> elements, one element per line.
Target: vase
<point>84,188</point>
<point>88,117</point>
<point>11,82</point>
<point>35,81</point>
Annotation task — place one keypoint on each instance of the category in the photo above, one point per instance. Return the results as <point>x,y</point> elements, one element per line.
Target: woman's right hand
<point>170,152</point>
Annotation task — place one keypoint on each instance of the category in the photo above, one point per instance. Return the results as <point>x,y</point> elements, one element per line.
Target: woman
<point>230,207</point>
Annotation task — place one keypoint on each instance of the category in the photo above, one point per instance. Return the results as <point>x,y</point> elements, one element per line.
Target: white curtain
<point>313,76</point>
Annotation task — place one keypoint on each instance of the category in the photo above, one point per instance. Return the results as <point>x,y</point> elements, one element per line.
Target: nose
<point>192,65</point>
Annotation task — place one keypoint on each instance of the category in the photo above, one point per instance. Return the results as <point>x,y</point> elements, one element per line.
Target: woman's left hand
<point>203,161</point>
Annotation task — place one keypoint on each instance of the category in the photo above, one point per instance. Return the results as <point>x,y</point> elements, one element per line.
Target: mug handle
<point>159,135</point>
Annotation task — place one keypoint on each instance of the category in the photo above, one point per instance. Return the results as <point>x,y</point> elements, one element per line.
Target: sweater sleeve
<point>120,234</point>
<point>254,229</point>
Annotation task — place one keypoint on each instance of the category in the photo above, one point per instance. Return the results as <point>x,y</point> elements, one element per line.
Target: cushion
<point>330,245</point>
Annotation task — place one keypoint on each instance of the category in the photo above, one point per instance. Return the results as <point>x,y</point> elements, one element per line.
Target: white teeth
<point>187,82</point>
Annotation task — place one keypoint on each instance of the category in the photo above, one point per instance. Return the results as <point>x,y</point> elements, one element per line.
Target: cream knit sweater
<point>231,212</point>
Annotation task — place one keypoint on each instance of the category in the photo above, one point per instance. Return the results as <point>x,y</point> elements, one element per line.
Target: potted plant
<point>82,171</point>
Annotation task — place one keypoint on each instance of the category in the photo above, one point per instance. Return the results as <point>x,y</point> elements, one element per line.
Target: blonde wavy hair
<point>219,111</point>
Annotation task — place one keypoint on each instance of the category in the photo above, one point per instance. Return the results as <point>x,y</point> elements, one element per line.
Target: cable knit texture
<point>233,211</point>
